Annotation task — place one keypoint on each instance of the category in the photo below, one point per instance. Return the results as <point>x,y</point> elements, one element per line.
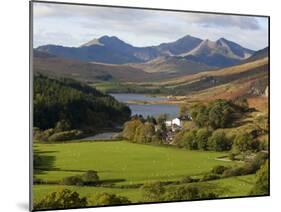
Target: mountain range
<point>188,51</point>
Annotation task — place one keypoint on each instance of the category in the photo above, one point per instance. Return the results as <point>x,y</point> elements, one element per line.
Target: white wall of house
<point>176,121</point>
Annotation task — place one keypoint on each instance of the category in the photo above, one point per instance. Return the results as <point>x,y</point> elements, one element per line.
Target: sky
<point>72,25</point>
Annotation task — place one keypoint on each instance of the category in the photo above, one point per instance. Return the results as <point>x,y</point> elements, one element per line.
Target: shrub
<point>64,198</point>
<point>209,176</point>
<point>252,166</point>
<point>190,192</point>
<point>202,136</point>
<point>242,104</point>
<point>153,191</point>
<point>189,140</point>
<point>107,199</point>
<point>90,177</point>
<point>183,193</point>
<point>72,180</point>
<point>219,169</point>
<point>249,168</point>
<point>62,125</point>
<point>245,142</point>
<point>188,179</point>
<point>261,186</point>
<point>43,135</point>
<point>234,171</point>
<point>65,135</point>
<point>231,156</point>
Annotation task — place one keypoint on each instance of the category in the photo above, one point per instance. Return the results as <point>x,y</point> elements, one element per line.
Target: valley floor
<point>124,166</point>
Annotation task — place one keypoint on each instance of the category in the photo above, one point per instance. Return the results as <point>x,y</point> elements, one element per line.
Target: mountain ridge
<point>111,49</point>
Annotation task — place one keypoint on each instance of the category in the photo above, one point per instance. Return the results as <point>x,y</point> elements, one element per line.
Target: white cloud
<point>74,25</point>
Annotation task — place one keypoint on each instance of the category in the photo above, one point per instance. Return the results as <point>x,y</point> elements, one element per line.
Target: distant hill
<point>112,50</point>
<point>243,80</point>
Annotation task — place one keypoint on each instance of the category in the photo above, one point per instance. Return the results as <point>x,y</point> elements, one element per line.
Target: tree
<point>189,139</point>
<point>216,114</point>
<point>64,198</point>
<point>202,136</point>
<point>66,104</point>
<point>220,114</point>
<point>151,120</point>
<point>183,110</point>
<point>162,118</point>
<point>261,186</point>
<point>107,199</point>
<point>153,191</point>
<point>130,128</point>
<point>199,114</point>
<point>218,141</point>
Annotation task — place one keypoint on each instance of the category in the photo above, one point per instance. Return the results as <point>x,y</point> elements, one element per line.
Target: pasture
<point>123,165</point>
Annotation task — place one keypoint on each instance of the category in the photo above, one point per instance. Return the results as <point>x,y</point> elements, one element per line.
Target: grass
<point>131,163</point>
<point>124,163</point>
<point>220,72</point>
<point>229,187</point>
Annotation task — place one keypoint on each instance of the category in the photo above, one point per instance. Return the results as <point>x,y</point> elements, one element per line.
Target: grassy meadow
<point>123,166</point>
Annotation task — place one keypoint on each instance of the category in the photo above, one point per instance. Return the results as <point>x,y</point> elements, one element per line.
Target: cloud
<point>215,20</point>
<point>141,27</point>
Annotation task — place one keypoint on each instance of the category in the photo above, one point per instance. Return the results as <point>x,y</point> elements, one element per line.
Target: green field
<point>124,163</point>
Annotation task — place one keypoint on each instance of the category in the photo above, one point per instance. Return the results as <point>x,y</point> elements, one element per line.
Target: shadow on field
<point>111,181</point>
<point>43,162</point>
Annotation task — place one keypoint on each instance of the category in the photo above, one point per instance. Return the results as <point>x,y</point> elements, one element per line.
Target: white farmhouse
<point>177,122</point>
<point>174,122</point>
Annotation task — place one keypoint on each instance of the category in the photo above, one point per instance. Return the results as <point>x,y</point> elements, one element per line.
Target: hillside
<point>74,105</point>
<point>90,72</point>
<point>249,79</point>
<point>50,65</point>
<point>167,64</point>
<point>258,55</point>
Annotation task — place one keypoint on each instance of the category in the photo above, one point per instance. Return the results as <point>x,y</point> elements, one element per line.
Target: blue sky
<point>72,25</point>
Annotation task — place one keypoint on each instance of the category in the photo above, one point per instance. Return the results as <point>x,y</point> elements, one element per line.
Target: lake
<point>147,109</point>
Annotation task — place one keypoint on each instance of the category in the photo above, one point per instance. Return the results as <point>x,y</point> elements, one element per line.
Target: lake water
<point>147,109</point>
